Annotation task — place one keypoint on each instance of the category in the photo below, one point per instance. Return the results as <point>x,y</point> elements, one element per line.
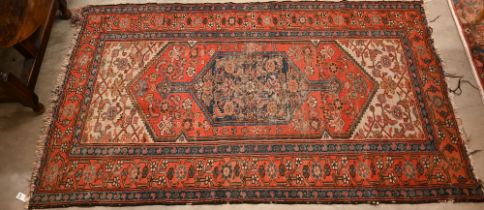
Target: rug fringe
<point>78,19</point>
<point>41,143</point>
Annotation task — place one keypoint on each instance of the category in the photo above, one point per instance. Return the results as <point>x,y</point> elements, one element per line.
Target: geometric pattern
<point>290,102</point>
<point>222,88</point>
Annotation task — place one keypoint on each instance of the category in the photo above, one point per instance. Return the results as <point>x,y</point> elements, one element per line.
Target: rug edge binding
<point>465,139</point>
<point>77,23</point>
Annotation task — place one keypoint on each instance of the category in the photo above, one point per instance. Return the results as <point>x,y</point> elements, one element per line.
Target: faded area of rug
<point>305,102</point>
<point>470,16</point>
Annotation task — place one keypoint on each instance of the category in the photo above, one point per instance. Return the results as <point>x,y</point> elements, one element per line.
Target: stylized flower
<point>175,54</point>
<point>164,163</point>
<point>210,163</point>
<point>164,106</point>
<point>116,182</point>
<point>336,122</point>
<point>386,61</point>
<point>334,165</point>
<point>345,179</point>
<point>436,159</point>
<point>299,179</point>
<point>344,160</point>
<point>409,170</point>
<point>440,177</point>
<point>376,19</point>
<point>302,19</point>
<point>289,165</point>
<point>250,87</point>
<point>364,170</point>
<point>333,68</point>
<point>272,86</point>
<point>379,163</point>
<point>314,123</point>
<point>181,172</point>
<point>226,171</point>
<point>187,104</point>
<point>270,65</point>
<point>231,20</point>
<point>89,174</point>
<point>396,112</point>
<point>69,183</point>
<point>170,69</point>
<point>122,63</point>
<point>392,178</point>
<point>327,52</point>
<point>317,171</point>
<point>165,125</point>
<point>153,166</point>
<point>187,124</point>
<point>200,166</point>
<point>191,71</point>
<point>254,179</point>
<point>209,180</point>
<point>298,162</point>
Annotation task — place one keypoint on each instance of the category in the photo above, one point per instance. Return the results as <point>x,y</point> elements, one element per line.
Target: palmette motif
<point>261,102</point>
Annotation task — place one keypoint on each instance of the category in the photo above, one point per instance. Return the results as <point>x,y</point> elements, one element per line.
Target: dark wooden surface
<point>26,25</point>
<point>21,18</point>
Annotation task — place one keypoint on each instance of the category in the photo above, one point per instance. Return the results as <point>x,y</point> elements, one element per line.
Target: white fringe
<point>53,103</point>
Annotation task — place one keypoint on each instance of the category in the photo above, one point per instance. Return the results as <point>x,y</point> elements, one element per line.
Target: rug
<point>469,15</point>
<point>291,102</point>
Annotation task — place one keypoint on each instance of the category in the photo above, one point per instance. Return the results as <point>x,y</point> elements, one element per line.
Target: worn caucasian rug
<point>470,16</point>
<point>308,102</point>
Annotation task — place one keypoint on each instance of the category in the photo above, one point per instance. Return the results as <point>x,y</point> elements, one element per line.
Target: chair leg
<point>65,13</point>
<point>17,89</point>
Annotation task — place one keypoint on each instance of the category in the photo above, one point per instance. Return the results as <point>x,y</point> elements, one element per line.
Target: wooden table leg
<point>65,13</point>
<point>10,84</point>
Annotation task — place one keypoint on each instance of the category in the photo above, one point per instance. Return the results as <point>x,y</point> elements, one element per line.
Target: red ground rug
<point>302,102</point>
<point>469,15</point>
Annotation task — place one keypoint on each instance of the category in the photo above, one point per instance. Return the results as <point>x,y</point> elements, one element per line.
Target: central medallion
<point>250,88</point>
<point>239,90</point>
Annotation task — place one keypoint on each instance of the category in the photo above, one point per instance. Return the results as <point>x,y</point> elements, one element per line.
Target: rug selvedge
<point>355,108</point>
<point>470,19</point>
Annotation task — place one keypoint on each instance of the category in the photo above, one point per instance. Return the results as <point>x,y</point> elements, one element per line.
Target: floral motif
<point>251,88</point>
<point>374,125</point>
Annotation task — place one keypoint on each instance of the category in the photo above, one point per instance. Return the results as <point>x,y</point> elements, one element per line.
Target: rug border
<point>62,80</point>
